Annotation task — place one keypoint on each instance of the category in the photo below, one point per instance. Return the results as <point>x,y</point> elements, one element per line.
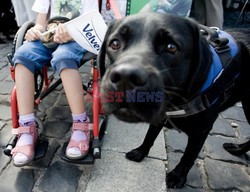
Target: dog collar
<point>224,49</point>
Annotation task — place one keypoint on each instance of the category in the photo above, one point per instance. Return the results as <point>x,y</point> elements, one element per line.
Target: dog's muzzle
<point>140,97</point>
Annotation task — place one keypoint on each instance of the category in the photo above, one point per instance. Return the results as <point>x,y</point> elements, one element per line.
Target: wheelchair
<point>44,85</point>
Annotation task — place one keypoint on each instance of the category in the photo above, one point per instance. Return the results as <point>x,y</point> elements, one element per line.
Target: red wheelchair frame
<point>45,87</point>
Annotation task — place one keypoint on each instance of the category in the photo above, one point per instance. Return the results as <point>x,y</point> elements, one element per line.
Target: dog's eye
<point>115,44</point>
<point>172,48</point>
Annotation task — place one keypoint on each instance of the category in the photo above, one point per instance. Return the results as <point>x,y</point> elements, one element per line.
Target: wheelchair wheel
<point>19,37</point>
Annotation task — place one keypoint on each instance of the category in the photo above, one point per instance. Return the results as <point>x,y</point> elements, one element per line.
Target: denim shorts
<point>34,55</point>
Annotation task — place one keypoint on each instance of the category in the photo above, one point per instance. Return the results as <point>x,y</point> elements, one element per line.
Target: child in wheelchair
<point>65,58</point>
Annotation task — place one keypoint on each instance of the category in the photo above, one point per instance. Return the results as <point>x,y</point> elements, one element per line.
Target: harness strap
<point>221,78</point>
<point>221,88</point>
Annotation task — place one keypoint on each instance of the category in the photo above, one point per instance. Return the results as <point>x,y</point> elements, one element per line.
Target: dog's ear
<point>102,54</point>
<point>200,61</point>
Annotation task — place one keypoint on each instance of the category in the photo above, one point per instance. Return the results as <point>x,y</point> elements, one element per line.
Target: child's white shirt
<point>70,9</point>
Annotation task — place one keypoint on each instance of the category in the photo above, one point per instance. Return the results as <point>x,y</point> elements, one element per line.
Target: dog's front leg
<point>139,153</point>
<point>177,177</point>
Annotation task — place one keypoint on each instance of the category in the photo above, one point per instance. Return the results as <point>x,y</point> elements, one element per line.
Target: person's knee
<point>32,55</point>
<point>68,51</point>
<point>62,64</point>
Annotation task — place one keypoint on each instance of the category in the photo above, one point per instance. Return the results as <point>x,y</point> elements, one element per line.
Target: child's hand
<point>62,35</point>
<point>34,33</point>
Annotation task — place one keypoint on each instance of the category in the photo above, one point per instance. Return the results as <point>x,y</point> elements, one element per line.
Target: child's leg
<point>66,60</point>
<point>29,56</point>
<point>25,99</point>
<point>72,84</point>
<point>25,88</point>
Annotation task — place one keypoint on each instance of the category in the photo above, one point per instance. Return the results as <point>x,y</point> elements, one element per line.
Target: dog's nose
<point>128,76</point>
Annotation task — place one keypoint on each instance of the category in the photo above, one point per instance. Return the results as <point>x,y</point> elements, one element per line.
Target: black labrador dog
<point>153,70</point>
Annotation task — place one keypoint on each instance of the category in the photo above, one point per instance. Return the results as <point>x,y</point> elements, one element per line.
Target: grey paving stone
<point>3,58</point>
<point>5,135</point>
<point>6,87</point>
<point>123,137</point>
<point>60,177</point>
<point>3,71</point>
<point>59,113</point>
<point>235,113</point>
<point>15,179</point>
<point>56,129</point>
<point>222,176</point>
<point>5,50</point>
<point>114,173</point>
<point>248,170</point>
<point>194,177</point>
<point>84,179</point>
<point>62,100</point>
<point>244,129</point>
<point>2,123</point>
<point>53,95</point>
<point>214,149</point>
<point>9,79</point>
<point>3,63</point>
<point>4,161</point>
<point>85,68</point>
<point>5,112</point>
<point>40,115</point>
<point>177,142</point>
<point>46,161</point>
<point>5,99</point>
<point>188,189</point>
<point>46,103</point>
<point>223,127</point>
<point>85,77</point>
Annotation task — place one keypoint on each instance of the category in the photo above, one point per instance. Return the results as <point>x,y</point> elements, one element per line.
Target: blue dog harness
<point>224,49</point>
<point>217,66</point>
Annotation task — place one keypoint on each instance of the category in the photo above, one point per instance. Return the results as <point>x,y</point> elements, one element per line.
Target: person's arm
<point>35,32</point>
<point>62,35</point>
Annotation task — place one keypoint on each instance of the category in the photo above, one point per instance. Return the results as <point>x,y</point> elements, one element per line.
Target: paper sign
<point>88,30</point>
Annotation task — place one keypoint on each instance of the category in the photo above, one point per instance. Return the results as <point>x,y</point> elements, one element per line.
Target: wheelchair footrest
<point>41,147</point>
<point>88,159</point>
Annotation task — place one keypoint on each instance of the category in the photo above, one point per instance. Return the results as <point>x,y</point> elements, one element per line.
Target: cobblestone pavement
<point>214,170</point>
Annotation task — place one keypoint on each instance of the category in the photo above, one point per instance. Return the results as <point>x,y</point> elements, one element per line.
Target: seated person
<point>65,58</point>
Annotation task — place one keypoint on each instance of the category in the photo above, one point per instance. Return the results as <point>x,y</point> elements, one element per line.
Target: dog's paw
<point>175,180</point>
<point>136,155</point>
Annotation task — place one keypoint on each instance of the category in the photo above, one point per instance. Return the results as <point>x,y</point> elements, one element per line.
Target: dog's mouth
<point>134,111</point>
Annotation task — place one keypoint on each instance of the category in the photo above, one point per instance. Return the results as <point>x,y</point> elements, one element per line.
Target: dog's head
<point>150,62</point>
